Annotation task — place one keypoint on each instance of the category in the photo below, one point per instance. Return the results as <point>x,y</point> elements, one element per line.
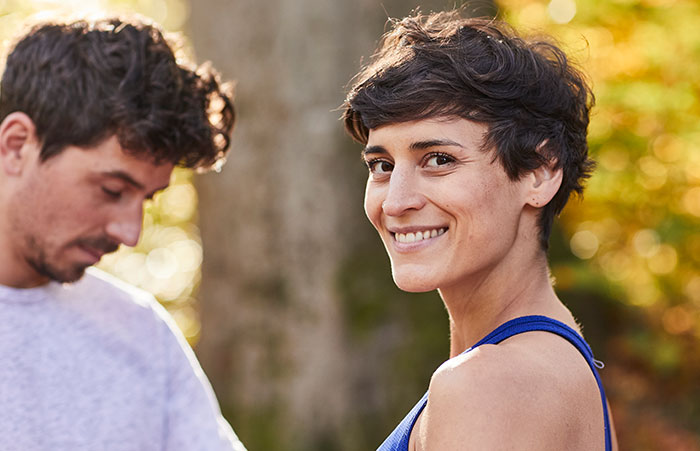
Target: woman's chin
<point>413,283</point>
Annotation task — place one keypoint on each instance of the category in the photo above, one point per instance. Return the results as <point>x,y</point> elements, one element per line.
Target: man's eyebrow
<point>124,177</point>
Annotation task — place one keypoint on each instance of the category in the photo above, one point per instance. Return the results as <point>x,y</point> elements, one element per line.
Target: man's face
<point>68,211</point>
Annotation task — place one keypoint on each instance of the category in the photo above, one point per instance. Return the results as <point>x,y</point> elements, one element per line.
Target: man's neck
<point>15,271</point>
<point>19,275</point>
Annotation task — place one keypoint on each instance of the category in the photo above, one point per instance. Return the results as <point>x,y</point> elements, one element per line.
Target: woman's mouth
<point>413,237</point>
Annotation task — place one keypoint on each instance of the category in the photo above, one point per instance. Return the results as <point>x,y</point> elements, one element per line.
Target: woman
<point>474,139</point>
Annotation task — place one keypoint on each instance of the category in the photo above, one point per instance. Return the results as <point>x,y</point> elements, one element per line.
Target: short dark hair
<point>534,102</point>
<point>83,82</point>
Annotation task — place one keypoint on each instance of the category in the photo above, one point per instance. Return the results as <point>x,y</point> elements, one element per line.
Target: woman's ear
<point>544,182</point>
<point>17,142</point>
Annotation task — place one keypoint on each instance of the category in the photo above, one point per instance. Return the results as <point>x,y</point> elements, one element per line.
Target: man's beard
<point>66,273</point>
<point>63,275</point>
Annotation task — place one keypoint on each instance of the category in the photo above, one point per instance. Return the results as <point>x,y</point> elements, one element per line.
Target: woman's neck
<point>487,300</point>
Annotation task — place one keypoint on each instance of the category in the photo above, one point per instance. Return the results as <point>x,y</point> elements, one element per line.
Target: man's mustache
<point>103,244</point>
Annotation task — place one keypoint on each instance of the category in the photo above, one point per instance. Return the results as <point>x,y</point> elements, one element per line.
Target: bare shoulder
<point>533,391</point>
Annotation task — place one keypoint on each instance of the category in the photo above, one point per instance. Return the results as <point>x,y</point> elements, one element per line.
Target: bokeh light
<point>562,11</point>
<point>642,57</point>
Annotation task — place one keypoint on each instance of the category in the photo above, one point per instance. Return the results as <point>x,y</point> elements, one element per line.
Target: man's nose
<point>404,192</point>
<point>125,228</point>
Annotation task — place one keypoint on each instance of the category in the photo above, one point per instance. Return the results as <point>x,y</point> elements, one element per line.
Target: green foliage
<point>626,259</point>
<point>637,234</point>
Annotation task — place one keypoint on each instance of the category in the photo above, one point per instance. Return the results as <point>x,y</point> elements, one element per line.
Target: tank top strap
<point>535,323</point>
<point>543,323</point>
<point>399,438</point>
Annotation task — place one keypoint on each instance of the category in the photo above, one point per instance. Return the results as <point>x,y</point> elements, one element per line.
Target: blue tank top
<point>398,439</point>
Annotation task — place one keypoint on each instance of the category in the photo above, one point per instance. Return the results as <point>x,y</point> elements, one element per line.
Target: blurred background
<point>280,284</point>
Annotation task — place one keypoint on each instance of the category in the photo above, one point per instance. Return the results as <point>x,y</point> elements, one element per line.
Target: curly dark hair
<point>534,102</point>
<point>83,82</point>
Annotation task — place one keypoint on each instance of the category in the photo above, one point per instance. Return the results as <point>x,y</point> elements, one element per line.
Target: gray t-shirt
<point>100,365</point>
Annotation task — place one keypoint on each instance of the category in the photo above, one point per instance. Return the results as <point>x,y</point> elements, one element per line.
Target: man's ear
<point>18,142</point>
<point>544,182</point>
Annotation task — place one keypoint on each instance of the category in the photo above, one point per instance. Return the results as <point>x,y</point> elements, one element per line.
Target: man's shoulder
<point>103,305</point>
<point>102,295</point>
<point>100,282</point>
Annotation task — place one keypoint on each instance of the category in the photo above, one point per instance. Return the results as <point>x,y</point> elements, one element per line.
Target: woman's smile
<point>408,241</point>
<point>412,237</point>
<point>443,207</point>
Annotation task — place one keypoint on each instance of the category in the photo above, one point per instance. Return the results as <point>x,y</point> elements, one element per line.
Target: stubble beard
<point>38,259</point>
<point>65,275</point>
<point>40,263</point>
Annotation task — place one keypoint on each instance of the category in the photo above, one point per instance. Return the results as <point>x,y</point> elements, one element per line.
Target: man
<point>93,118</point>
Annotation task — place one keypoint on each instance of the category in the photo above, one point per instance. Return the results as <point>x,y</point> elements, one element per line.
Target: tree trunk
<point>283,228</point>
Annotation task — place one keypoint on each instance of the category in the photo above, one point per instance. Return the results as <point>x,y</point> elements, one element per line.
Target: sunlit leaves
<point>643,134</point>
<point>638,229</point>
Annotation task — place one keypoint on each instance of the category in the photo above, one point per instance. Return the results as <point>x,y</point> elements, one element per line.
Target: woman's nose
<point>404,193</point>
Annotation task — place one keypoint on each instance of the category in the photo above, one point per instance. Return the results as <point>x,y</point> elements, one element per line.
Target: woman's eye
<point>379,166</point>
<point>439,159</point>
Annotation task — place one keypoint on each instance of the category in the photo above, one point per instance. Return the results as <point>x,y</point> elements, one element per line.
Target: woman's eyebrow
<point>373,149</point>
<point>422,145</point>
<point>417,145</point>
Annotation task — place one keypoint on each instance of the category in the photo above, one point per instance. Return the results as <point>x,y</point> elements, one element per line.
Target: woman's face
<point>444,208</point>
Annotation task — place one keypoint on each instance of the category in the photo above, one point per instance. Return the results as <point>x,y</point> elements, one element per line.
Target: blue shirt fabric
<point>398,439</point>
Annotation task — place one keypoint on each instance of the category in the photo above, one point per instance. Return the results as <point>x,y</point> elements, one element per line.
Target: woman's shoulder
<point>510,377</point>
<point>532,391</point>
<point>537,355</point>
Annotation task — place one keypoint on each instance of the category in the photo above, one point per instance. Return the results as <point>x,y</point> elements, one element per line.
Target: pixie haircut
<point>534,103</point>
<point>82,82</point>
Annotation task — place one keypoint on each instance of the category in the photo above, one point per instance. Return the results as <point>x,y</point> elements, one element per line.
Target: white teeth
<point>418,236</point>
